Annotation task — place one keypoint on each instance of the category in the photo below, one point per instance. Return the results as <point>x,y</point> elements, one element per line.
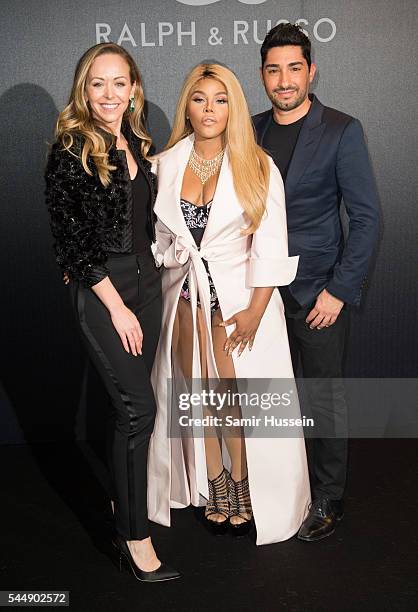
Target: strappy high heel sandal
<point>240,504</point>
<point>218,503</point>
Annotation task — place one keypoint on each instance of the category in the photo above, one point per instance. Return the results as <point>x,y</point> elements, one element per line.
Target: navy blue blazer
<point>330,162</point>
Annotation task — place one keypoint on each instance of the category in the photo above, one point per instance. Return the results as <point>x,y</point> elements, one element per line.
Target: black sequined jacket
<point>88,220</point>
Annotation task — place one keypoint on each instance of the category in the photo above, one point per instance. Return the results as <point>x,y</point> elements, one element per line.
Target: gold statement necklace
<point>205,168</point>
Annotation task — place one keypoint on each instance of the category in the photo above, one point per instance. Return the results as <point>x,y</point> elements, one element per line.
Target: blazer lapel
<point>225,206</point>
<point>262,126</point>
<point>144,166</point>
<point>307,143</point>
<point>171,167</point>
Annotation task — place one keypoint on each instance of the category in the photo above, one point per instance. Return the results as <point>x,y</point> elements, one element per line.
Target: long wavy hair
<point>249,164</point>
<point>76,118</point>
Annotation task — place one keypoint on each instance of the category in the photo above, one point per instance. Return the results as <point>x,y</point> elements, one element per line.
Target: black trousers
<point>127,380</point>
<point>321,354</point>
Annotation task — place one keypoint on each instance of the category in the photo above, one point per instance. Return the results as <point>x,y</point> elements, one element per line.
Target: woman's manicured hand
<point>246,325</point>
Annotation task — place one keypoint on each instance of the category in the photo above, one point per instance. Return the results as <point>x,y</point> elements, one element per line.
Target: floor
<point>55,536</point>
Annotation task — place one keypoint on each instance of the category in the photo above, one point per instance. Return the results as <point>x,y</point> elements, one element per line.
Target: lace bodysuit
<point>196,218</point>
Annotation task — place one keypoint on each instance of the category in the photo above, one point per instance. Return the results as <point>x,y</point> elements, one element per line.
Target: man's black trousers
<point>321,355</point>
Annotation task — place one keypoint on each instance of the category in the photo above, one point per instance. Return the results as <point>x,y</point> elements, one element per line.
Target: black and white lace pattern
<point>196,218</point>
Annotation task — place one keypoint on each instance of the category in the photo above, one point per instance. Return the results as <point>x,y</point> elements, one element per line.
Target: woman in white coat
<point>221,237</point>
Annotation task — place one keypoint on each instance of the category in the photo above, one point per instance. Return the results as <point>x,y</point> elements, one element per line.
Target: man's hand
<point>325,312</point>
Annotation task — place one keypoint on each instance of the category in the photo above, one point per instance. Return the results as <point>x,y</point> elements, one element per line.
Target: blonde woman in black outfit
<point>100,195</point>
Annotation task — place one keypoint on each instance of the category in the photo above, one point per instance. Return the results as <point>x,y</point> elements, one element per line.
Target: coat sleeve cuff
<point>95,275</point>
<point>272,272</point>
<point>158,256</point>
<point>339,291</point>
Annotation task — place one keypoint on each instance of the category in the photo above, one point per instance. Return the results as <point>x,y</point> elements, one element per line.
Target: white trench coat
<point>277,467</point>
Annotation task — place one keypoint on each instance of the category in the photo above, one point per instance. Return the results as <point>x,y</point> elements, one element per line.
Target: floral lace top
<point>196,218</point>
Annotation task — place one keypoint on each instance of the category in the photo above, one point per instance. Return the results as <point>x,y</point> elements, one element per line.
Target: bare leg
<point>234,437</point>
<point>182,345</point>
<point>213,441</point>
<point>182,341</point>
<point>212,435</point>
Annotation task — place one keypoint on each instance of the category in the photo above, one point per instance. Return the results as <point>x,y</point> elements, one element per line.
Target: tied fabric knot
<point>182,249</point>
<point>178,252</point>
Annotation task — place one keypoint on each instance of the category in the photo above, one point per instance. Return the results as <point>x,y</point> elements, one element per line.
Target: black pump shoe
<point>124,557</point>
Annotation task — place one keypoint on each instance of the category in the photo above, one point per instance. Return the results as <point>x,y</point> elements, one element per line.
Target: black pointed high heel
<point>240,504</point>
<point>164,572</point>
<point>218,503</point>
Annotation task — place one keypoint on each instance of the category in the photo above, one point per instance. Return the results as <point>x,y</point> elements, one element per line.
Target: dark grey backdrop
<point>366,68</point>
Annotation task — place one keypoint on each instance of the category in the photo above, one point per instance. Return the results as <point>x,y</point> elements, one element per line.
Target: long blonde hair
<point>249,164</point>
<point>77,118</point>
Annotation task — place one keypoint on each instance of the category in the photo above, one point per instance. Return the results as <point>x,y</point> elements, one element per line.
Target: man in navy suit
<point>323,159</point>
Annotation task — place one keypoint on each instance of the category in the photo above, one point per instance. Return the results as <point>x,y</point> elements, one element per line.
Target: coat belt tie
<point>178,254</point>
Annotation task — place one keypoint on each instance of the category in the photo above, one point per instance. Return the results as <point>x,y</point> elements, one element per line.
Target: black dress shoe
<point>321,520</point>
<point>124,557</point>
